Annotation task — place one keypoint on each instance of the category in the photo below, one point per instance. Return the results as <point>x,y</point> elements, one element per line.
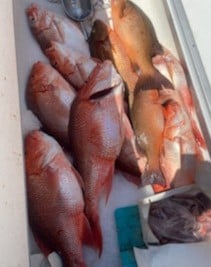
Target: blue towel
<point>129,234</point>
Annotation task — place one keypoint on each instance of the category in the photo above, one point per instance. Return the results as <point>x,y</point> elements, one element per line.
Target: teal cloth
<point>129,234</point>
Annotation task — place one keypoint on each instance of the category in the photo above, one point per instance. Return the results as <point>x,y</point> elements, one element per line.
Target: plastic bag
<point>181,218</point>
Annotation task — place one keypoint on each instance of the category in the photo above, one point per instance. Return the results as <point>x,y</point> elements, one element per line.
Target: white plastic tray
<point>13,223</point>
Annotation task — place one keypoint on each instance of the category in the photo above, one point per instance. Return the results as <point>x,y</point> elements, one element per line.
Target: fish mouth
<point>103,82</point>
<point>32,13</point>
<point>101,94</point>
<point>110,92</point>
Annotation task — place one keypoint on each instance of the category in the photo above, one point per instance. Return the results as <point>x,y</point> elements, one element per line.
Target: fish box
<point>18,55</point>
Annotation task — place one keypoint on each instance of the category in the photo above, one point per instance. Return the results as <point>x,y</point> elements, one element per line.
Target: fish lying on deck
<point>63,43</point>
<point>96,136</point>
<point>50,97</point>
<point>138,36</point>
<point>55,199</point>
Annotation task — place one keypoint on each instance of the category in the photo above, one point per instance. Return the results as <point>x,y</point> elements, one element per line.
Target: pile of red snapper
<point>148,129</point>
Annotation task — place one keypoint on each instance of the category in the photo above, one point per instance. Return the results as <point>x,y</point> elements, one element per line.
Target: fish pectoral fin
<point>87,235</point>
<point>107,185</point>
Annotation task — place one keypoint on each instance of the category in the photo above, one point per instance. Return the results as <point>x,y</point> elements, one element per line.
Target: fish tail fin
<point>108,181</point>
<point>98,237</point>
<point>155,178</point>
<point>94,222</point>
<point>155,80</point>
<point>92,214</point>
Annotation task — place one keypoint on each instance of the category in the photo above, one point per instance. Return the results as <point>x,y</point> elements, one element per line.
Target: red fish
<point>179,151</point>
<point>170,66</point>
<point>55,200</point>
<point>182,139</point>
<point>74,68</point>
<point>50,97</point>
<point>62,41</point>
<point>49,27</point>
<point>96,137</point>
